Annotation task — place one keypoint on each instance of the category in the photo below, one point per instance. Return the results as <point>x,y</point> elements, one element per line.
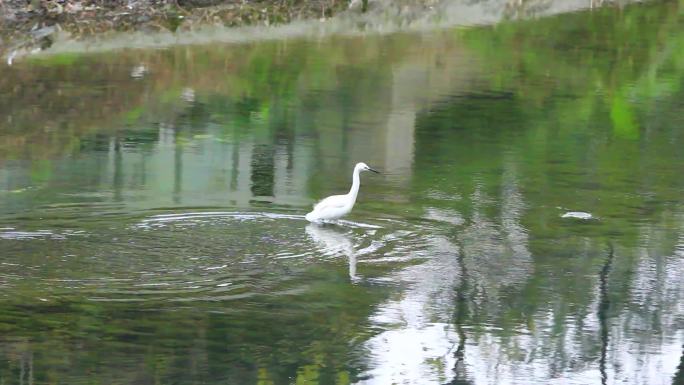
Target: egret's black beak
<point>375,171</point>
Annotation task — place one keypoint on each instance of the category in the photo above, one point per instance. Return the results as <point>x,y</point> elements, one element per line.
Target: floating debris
<point>139,71</point>
<point>577,215</point>
<point>188,95</point>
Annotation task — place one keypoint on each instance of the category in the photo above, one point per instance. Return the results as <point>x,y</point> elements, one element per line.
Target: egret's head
<point>364,167</point>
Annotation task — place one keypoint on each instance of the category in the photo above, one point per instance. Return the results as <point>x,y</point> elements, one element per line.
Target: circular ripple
<point>212,256</point>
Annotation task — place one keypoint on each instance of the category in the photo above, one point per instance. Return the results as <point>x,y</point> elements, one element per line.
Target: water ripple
<point>209,255</point>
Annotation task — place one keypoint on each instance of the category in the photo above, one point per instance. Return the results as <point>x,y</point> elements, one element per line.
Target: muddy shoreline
<point>32,24</point>
<point>30,27</point>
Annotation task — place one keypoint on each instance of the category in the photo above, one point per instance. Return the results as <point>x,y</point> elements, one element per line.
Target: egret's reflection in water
<point>332,241</point>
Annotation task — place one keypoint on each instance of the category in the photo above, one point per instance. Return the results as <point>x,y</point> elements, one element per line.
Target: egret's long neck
<point>356,182</point>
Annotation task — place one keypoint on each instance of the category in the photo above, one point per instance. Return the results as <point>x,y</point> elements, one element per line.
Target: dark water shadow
<point>604,306</point>
<point>679,375</point>
<point>460,317</point>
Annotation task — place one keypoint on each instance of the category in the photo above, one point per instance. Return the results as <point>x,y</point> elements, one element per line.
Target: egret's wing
<point>331,202</point>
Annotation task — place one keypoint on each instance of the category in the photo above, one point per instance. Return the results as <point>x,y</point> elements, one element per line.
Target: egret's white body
<point>337,206</point>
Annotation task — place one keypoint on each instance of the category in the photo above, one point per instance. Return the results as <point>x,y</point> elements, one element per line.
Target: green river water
<point>152,202</point>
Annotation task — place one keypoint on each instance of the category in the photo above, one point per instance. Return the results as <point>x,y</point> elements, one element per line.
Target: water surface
<point>528,227</point>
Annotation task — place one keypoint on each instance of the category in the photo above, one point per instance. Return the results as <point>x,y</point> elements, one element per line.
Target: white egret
<point>337,206</point>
